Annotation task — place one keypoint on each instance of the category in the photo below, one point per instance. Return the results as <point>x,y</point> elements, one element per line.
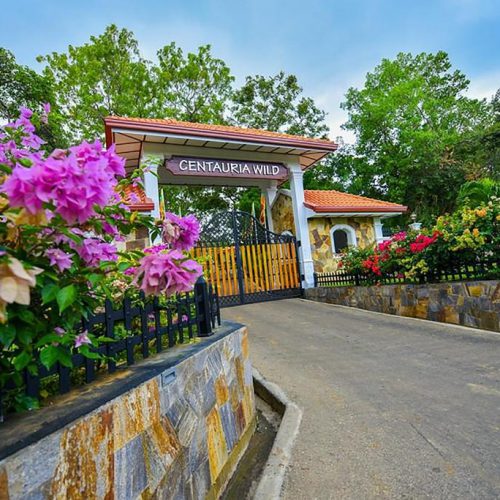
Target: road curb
<point>273,475</point>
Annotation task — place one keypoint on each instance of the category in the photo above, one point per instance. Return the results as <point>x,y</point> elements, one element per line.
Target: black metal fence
<point>134,330</point>
<point>478,270</point>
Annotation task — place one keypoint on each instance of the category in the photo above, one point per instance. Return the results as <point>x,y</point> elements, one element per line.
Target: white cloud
<point>485,85</point>
<point>328,98</point>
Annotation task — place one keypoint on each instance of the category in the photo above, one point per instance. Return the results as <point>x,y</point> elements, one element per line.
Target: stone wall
<point>282,213</point>
<point>177,434</point>
<point>474,303</point>
<point>321,245</point>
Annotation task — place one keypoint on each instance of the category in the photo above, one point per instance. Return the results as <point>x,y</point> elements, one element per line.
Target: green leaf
<point>48,356</point>
<point>123,266</point>
<point>23,402</point>
<point>24,334</point>
<point>49,293</point>
<point>64,357</point>
<point>5,168</point>
<point>21,360</point>
<point>27,316</point>
<point>65,297</point>
<point>25,162</point>
<point>7,334</point>
<point>85,350</point>
<point>47,339</point>
<point>95,278</point>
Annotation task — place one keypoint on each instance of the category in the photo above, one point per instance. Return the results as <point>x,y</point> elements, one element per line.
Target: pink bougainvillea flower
<point>170,232</point>
<point>130,271</point>
<point>399,236</point>
<point>82,338</point>
<point>167,273</point>
<point>74,182</point>
<point>59,331</point>
<point>59,258</point>
<point>181,233</point>
<point>133,198</point>
<point>110,229</point>
<point>25,112</point>
<point>156,249</point>
<point>93,251</point>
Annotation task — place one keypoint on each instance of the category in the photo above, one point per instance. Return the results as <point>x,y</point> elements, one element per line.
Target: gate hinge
<point>299,243</point>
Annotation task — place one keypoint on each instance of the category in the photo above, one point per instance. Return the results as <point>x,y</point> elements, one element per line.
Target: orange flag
<point>262,213</point>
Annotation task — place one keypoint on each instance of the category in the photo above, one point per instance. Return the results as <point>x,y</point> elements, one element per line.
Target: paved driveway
<point>393,407</point>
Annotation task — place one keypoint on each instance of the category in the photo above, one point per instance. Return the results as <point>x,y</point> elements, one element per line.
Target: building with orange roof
<point>185,153</point>
<point>323,222</point>
<point>336,220</point>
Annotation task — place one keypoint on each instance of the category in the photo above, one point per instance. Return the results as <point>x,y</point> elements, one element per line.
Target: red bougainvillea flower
<point>422,242</point>
<point>385,245</point>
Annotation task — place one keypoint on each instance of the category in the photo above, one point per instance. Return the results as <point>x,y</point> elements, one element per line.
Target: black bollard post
<point>203,308</point>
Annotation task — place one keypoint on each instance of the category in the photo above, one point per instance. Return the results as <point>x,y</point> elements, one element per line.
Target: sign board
<point>213,167</point>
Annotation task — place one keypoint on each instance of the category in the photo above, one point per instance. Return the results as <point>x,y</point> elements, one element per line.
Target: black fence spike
<point>200,307</point>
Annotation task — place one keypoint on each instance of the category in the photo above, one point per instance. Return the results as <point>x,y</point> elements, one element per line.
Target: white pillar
<point>270,195</point>
<point>379,235</point>
<point>151,188</point>
<point>296,176</point>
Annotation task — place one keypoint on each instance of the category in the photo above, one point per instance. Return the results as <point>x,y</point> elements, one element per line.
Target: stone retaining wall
<point>473,303</point>
<point>178,434</point>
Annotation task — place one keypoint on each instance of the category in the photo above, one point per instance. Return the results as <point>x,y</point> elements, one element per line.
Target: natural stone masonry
<point>176,435</point>
<point>319,233</point>
<point>325,261</point>
<point>472,303</point>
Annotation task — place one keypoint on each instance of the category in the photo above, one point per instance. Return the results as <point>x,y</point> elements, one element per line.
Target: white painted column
<point>270,194</point>
<point>296,176</point>
<point>151,188</point>
<point>379,235</point>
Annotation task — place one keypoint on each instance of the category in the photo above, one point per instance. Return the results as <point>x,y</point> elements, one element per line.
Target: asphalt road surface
<point>393,407</point>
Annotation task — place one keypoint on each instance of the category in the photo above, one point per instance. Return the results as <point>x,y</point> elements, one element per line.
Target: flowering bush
<point>467,236</point>
<point>61,215</point>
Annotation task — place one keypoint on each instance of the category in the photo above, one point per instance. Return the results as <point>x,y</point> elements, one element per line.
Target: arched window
<point>342,236</point>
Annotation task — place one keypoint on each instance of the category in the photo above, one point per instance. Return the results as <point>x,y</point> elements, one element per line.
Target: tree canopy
<point>410,119</point>
<point>106,76</point>
<point>194,88</point>
<point>22,86</point>
<point>418,136</point>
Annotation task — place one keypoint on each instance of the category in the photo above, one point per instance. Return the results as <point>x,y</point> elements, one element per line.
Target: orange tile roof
<point>220,131</point>
<point>337,201</point>
<point>136,199</point>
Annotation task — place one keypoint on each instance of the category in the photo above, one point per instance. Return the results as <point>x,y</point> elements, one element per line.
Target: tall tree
<point>276,103</point>
<point>195,87</point>
<point>22,86</point>
<point>106,76</point>
<point>480,151</point>
<point>408,120</point>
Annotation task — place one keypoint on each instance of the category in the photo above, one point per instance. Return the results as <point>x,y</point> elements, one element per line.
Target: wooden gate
<point>245,261</point>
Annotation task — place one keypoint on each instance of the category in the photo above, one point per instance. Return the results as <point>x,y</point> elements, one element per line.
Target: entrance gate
<point>245,261</point>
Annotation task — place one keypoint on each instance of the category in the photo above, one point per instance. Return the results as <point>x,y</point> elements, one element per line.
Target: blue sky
<point>329,44</point>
